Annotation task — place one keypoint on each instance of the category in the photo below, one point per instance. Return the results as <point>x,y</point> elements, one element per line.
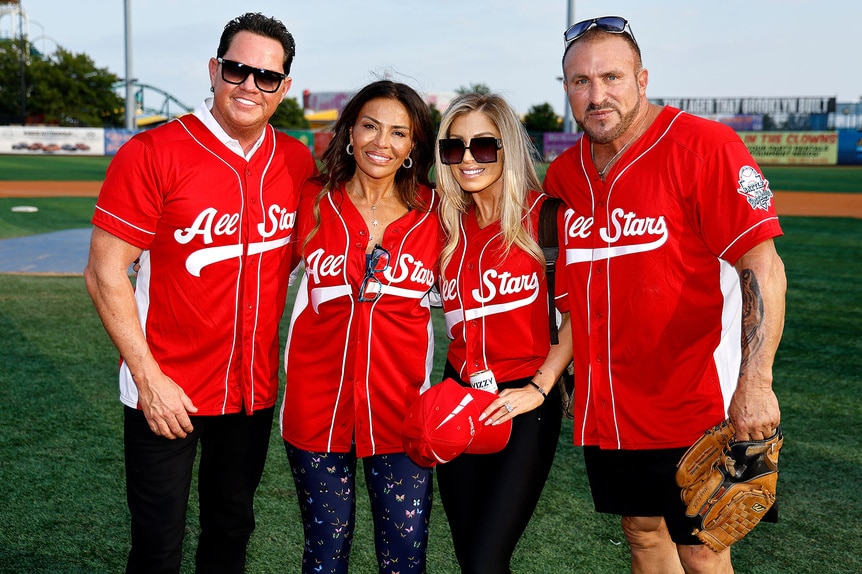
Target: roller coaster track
<point>164,109</point>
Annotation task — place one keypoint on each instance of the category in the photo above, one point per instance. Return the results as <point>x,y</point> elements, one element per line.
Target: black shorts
<point>640,483</point>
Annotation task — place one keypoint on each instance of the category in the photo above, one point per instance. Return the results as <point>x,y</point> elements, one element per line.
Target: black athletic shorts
<point>643,483</point>
<point>640,483</point>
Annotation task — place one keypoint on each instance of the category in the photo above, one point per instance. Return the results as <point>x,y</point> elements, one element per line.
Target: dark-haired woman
<point>360,344</point>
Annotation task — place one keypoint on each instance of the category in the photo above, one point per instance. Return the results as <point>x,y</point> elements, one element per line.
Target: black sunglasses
<point>371,288</point>
<point>612,24</point>
<point>483,150</point>
<point>236,73</point>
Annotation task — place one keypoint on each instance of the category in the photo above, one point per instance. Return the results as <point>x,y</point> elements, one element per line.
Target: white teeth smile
<point>377,157</point>
<point>245,101</point>
<point>476,171</point>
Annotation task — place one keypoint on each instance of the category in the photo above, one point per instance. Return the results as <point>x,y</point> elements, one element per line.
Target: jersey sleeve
<point>130,200</point>
<point>734,204</point>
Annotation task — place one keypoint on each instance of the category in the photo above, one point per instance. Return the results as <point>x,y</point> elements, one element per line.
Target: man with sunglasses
<point>676,291</point>
<point>207,204</point>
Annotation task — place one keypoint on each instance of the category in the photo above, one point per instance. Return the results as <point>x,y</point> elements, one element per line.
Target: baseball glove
<point>728,485</point>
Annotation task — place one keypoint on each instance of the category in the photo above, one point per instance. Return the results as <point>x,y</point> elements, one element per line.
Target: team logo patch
<point>754,187</point>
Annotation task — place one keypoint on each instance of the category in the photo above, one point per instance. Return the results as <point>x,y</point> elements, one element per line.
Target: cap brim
<point>440,424</point>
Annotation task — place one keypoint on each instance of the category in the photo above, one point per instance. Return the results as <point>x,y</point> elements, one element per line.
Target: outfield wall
<point>768,148</point>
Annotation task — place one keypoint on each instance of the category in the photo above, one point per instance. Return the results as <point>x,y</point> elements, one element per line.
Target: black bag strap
<point>550,249</point>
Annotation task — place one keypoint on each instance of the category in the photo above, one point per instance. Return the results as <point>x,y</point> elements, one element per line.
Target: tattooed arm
<point>754,407</point>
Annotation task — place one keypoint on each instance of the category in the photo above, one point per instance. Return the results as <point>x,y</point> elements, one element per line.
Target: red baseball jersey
<point>353,368</point>
<point>215,230</point>
<point>655,299</point>
<point>496,307</point>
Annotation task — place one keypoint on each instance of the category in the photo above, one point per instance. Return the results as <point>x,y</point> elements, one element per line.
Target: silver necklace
<point>608,165</point>
<point>374,221</point>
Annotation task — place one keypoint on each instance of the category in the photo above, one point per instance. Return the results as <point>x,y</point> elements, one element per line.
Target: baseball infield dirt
<point>788,202</point>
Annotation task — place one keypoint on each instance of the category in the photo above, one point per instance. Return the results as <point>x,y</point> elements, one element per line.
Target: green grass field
<point>62,505</point>
<point>53,167</point>
<point>845,179</point>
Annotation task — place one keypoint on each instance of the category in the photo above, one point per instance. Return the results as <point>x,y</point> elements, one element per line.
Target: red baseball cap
<point>489,438</point>
<point>444,423</point>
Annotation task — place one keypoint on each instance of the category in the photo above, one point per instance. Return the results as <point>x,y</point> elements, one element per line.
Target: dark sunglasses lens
<point>236,73</point>
<point>484,150</point>
<point>611,24</point>
<point>233,72</point>
<point>451,151</point>
<point>608,23</point>
<point>370,290</point>
<point>267,81</point>
<point>379,261</point>
<point>577,30</point>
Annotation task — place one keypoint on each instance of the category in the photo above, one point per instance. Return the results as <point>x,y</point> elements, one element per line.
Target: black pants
<point>158,480</point>
<point>490,498</point>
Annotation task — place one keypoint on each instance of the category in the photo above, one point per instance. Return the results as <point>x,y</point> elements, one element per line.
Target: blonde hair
<point>519,176</point>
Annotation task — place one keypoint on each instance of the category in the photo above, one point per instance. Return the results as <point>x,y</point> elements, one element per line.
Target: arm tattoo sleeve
<point>752,317</point>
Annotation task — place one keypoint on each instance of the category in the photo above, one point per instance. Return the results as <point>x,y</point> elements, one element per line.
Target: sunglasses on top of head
<point>236,73</point>
<point>483,149</point>
<point>612,24</point>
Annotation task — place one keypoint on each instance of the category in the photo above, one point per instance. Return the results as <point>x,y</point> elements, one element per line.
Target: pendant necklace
<point>374,221</point>
<point>372,231</point>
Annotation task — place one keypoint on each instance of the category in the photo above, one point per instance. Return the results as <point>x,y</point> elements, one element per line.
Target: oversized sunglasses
<point>483,149</point>
<point>236,73</point>
<point>371,288</point>
<point>612,24</point>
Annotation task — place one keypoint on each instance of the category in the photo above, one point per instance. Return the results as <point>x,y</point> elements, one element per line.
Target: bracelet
<point>538,388</point>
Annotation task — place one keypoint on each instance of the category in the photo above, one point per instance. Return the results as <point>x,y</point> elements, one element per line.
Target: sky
<point>732,48</point>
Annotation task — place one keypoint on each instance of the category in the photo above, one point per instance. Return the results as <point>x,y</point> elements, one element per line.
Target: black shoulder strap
<point>550,248</point>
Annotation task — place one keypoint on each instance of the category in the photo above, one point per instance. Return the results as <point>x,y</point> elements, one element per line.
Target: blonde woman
<point>496,307</point>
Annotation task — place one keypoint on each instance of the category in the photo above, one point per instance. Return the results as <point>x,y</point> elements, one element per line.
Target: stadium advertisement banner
<point>41,140</point>
<point>792,148</point>
<point>556,143</point>
<point>850,147</point>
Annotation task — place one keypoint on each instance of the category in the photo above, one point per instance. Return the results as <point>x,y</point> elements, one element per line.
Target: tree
<point>10,81</point>
<point>289,115</point>
<point>65,89</point>
<point>474,88</point>
<point>436,116</point>
<point>542,118</point>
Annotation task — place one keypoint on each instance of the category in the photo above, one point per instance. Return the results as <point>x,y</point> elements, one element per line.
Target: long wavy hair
<point>519,176</point>
<point>338,167</point>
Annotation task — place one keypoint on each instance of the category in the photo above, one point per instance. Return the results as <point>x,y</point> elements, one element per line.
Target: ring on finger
<point>509,408</point>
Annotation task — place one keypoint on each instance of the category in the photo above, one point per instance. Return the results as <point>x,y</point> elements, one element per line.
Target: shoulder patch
<point>754,187</point>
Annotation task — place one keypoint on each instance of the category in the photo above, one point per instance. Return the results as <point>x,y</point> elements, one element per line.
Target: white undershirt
<point>204,113</point>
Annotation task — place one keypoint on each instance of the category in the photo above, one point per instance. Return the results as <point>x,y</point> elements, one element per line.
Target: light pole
<point>567,113</point>
<point>25,48</point>
<point>131,119</point>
